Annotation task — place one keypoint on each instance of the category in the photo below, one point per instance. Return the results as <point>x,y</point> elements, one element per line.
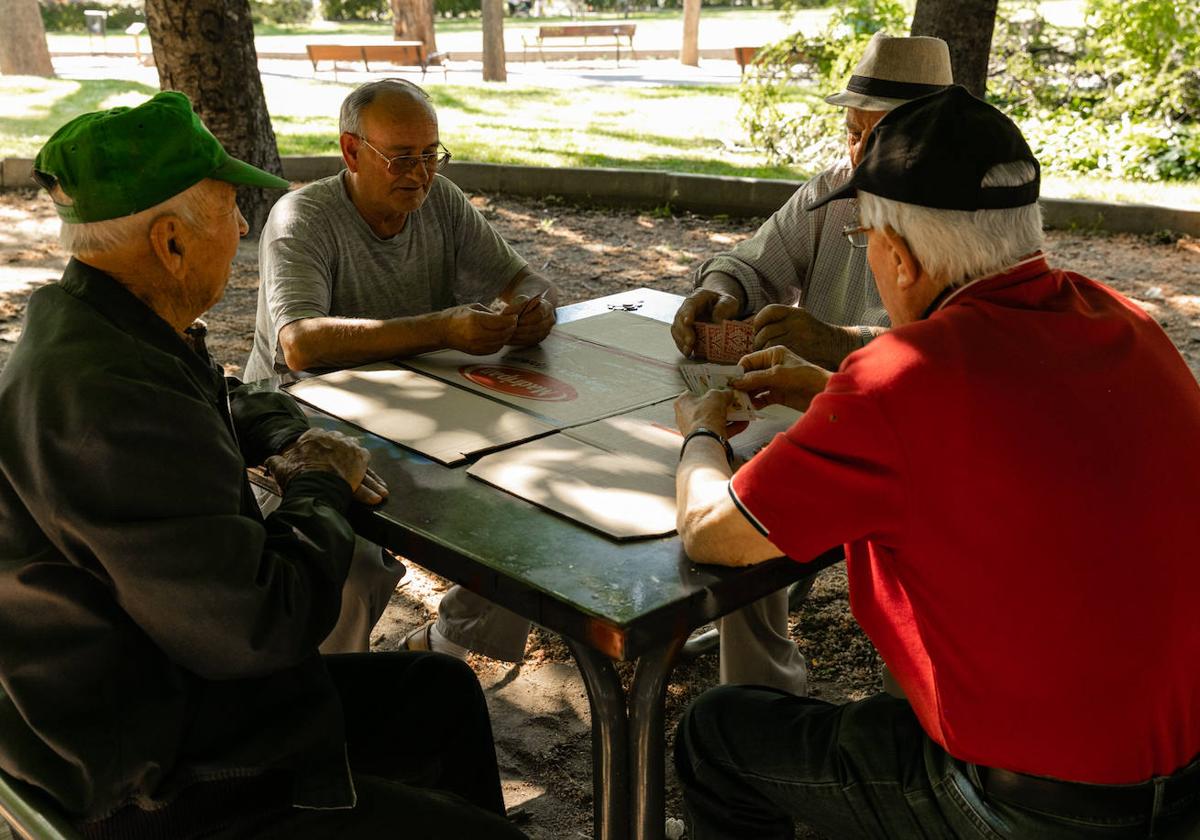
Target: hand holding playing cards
<point>477,330</point>
<point>535,318</point>
<point>708,410</point>
<point>779,376</point>
<point>779,325</point>
<point>704,305</point>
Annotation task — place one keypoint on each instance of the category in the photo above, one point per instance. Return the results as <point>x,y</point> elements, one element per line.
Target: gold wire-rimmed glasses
<point>856,235</point>
<point>403,164</point>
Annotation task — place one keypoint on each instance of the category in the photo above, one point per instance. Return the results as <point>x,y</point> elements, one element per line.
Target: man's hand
<point>373,489</point>
<point>701,305</point>
<point>708,410</point>
<point>535,319</point>
<point>325,451</point>
<point>779,376</point>
<point>477,330</point>
<point>779,325</point>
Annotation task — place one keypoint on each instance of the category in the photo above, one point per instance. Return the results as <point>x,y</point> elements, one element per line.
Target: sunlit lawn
<point>682,128</point>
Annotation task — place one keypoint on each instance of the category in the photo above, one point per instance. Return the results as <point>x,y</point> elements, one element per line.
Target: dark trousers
<point>420,748</point>
<point>754,761</point>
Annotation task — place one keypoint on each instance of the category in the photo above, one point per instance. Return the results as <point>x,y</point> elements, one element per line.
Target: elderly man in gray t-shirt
<point>384,260</point>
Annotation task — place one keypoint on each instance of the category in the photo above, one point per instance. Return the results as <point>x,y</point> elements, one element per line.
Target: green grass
<point>31,109</point>
<point>678,128</point>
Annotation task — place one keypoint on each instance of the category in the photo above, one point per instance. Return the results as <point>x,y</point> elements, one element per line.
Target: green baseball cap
<point>114,163</point>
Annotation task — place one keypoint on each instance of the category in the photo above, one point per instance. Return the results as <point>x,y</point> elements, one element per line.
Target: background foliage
<point>1119,97</point>
<point>61,16</point>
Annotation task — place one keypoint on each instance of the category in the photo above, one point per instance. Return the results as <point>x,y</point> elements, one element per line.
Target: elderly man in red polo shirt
<point>1014,472</point>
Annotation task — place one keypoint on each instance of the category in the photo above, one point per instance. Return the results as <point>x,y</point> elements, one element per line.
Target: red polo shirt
<point>1017,482</point>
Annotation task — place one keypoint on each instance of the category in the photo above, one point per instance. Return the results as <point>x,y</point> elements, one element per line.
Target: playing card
<point>702,378</point>
<point>737,340</point>
<point>725,342</point>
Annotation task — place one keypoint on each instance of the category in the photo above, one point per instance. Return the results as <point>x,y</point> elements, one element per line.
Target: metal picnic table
<point>633,601</point>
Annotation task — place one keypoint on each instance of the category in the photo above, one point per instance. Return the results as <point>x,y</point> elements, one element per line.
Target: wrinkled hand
<point>701,305</point>
<point>477,330</point>
<point>779,325</point>
<point>779,376</point>
<point>325,451</point>
<point>373,489</point>
<point>535,318</point>
<point>708,410</point>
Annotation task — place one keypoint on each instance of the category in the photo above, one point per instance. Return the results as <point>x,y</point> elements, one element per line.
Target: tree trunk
<point>493,41</point>
<point>412,20</point>
<point>689,53</point>
<point>967,26</point>
<point>23,50</point>
<point>205,49</point>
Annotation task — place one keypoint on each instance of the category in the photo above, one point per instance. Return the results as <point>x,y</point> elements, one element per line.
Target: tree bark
<point>689,53</point>
<point>412,20</point>
<point>493,41</point>
<point>205,49</point>
<point>967,27</point>
<point>23,49</point>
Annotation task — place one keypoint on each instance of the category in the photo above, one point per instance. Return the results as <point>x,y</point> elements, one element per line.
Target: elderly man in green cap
<point>159,676</point>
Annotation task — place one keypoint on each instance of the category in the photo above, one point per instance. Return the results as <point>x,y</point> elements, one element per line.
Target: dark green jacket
<point>154,630</point>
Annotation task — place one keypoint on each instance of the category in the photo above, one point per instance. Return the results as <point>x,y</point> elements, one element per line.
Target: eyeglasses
<point>403,164</point>
<point>856,235</point>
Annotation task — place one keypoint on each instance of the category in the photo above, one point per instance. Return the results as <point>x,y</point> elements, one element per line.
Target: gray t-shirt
<point>802,258</point>
<point>318,257</point>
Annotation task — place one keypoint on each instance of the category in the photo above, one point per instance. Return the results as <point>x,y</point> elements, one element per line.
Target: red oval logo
<point>519,382</point>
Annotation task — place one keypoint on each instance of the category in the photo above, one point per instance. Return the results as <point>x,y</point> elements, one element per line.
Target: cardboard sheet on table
<point>626,331</point>
<point>623,495</point>
<point>650,433</point>
<point>428,415</point>
<point>566,380</point>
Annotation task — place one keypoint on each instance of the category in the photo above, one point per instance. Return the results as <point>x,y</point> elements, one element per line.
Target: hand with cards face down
<point>724,342</point>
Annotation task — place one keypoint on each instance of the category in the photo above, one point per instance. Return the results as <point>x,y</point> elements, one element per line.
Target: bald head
<point>395,99</point>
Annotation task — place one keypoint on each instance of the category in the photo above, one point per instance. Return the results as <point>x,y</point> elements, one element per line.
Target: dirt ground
<point>539,709</point>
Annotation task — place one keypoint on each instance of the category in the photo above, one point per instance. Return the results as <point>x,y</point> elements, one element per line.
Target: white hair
<point>954,246</point>
<point>192,206</point>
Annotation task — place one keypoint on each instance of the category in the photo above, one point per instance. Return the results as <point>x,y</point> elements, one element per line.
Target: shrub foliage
<point>1118,97</point>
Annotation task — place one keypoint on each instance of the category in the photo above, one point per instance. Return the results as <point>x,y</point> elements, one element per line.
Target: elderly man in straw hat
<point>808,290</point>
<point>160,675</point>
<point>995,465</point>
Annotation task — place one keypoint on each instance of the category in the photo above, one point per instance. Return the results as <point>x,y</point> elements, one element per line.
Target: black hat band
<point>887,89</point>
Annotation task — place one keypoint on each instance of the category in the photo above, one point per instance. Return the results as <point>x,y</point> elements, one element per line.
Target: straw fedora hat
<point>893,71</point>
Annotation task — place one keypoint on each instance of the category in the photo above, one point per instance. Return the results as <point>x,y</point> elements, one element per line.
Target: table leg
<point>610,742</point>
<point>647,740</point>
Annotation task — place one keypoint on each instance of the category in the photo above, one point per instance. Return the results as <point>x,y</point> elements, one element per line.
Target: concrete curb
<point>710,194</point>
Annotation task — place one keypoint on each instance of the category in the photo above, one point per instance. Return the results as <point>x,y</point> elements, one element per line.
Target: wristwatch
<point>704,431</point>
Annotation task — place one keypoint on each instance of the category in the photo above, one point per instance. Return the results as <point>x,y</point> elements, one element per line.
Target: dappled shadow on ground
<point>540,713</point>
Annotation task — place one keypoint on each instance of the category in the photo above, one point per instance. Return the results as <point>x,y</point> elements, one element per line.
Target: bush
<point>1118,98</point>
<point>456,8</point>
<point>281,11</point>
<point>356,9</point>
<point>798,130</point>
<point>61,16</point>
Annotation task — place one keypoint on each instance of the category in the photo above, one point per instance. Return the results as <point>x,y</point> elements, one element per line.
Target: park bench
<point>610,34</point>
<point>402,54</point>
<point>744,56</point>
